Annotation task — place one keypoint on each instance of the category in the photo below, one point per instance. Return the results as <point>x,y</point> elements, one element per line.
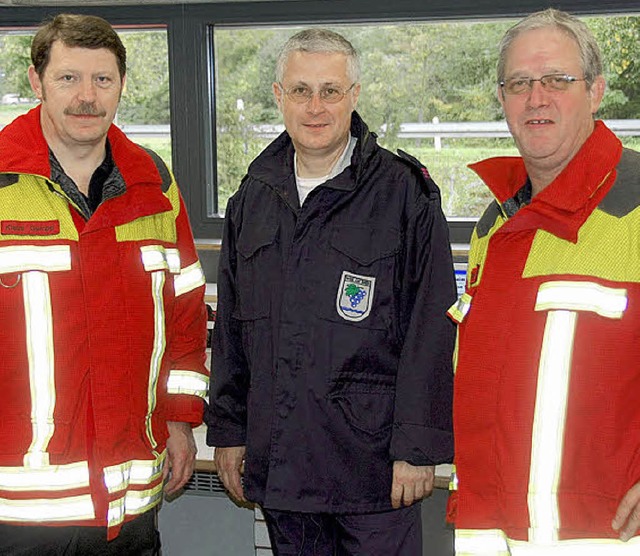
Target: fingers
<point>627,518</point>
<point>410,483</point>
<point>181,456</point>
<point>228,464</point>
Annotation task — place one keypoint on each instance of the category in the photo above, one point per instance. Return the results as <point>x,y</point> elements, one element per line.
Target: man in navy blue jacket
<point>332,351</point>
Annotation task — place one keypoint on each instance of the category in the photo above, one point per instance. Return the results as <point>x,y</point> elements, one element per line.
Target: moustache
<point>84,109</point>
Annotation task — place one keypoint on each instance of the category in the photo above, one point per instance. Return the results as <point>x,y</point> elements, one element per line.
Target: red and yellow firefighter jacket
<point>547,385</point>
<point>102,327</point>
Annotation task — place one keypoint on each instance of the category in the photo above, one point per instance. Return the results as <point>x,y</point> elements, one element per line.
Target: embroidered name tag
<point>30,228</point>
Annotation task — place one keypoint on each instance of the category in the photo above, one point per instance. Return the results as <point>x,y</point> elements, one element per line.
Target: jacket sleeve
<point>422,428</point>
<point>188,378</point>
<point>226,416</point>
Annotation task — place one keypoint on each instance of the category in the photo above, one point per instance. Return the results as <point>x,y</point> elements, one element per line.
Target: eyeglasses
<point>551,82</point>
<point>301,93</point>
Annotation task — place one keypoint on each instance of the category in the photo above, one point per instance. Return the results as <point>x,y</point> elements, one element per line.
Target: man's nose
<point>538,95</point>
<point>315,104</point>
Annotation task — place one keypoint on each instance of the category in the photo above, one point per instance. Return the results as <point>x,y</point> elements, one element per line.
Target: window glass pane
<point>427,88</point>
<point>144,109</point>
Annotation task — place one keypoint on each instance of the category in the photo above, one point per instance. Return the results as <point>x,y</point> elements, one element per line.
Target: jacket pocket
<point>365,401</point>
<point>257,264</point>
<point>361,266</point>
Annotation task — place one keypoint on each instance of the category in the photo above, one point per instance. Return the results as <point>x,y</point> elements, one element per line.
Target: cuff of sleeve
<point>225,435</point>
<point>419,445</point>
<point>186,409</point>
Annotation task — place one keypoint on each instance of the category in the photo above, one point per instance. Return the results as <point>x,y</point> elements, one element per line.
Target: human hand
<point>627,518</point>
<point>181,456</point>
<point>228,464</point>
<point>410,483</point>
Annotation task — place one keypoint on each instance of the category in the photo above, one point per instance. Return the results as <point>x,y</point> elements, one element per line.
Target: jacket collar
<point>564,205</point>
<point>274,166</point>
<point>24,150</point>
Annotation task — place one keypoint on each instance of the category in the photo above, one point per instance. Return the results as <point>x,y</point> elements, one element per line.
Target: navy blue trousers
<point>137,538</point>
<point>393,533</point>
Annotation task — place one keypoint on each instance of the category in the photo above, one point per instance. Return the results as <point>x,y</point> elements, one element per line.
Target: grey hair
<point>316,41</point>
<point>590,57</point>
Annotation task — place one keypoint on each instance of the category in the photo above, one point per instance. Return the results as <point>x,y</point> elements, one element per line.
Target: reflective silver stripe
<point>157,257</point>
<point>134,502</point>
<point>159,345</point>
<point>45,258</point>
<point>493,542</point>
<point>188,382</point>
<point>481,542</point>
<point>47,510</point>
<point>135,472</point>
<point>582,296</point>
<point>48,478</point>
<point>562,300</point>
<point>460,308</point>
<point>39,338</point>
<point>34,262</point>
<point>189,279</point>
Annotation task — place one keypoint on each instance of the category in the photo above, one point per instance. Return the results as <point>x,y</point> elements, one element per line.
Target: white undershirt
<point>307,185</point>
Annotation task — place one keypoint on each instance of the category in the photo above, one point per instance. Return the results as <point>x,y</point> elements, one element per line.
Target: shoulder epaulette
<point>430,185</point>
<point>8,179</point>
<point>624,195</point>
<point>165,175</point>
<point>488,219</point>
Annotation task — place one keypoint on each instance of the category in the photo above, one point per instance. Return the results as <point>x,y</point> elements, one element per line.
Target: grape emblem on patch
<point>355,296</point>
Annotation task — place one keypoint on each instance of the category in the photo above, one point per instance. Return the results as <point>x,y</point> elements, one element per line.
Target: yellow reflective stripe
<point>189,279</point>
<point>45,258</point>
<point>48,478</point>
<point>157,257</point>
<point>481,542</point>
<point>494,542</point>
<point>453,481</point>
<point>562,300</point>
<point>582,296</point>
<point>134,502</point>
<point>460,308</point>
<point>135,472</point>
<point>47,510</point>
<point>188,382</point>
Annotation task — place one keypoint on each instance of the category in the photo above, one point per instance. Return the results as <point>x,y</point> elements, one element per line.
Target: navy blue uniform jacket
<point>332,354</point>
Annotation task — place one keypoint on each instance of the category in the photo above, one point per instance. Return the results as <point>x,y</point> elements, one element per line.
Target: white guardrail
<point>623,128</point>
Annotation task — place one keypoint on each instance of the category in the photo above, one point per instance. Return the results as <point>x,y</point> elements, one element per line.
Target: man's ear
<point>277,93</point>
<point>34,81</point>
<point>597,92</point>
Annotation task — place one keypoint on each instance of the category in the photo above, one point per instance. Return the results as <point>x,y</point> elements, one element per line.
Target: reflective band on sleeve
<point>189,279</point>
<point>47,510</point>
<point>453,481</point>
<point>493,542</point>
<point>135,472</point>
<point>156,257</point>
<point>49,478</point>
<point>45,258</point>
<point>134,502</point>
<point>188,382</point>
<point>562,300</point>
<point>460,308</point>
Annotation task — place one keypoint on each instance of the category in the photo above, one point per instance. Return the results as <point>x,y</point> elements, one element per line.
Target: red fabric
<point>103,324</point>
<point>500,341</point>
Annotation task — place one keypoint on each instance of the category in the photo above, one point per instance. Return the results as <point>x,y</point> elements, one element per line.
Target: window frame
<point>191,62</point>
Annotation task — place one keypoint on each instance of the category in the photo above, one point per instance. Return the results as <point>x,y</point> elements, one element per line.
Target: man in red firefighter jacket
<point>102,312</point>
<point>547,386</point>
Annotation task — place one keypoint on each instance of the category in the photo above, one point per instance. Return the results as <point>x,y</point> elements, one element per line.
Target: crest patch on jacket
<point>355,296</point>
